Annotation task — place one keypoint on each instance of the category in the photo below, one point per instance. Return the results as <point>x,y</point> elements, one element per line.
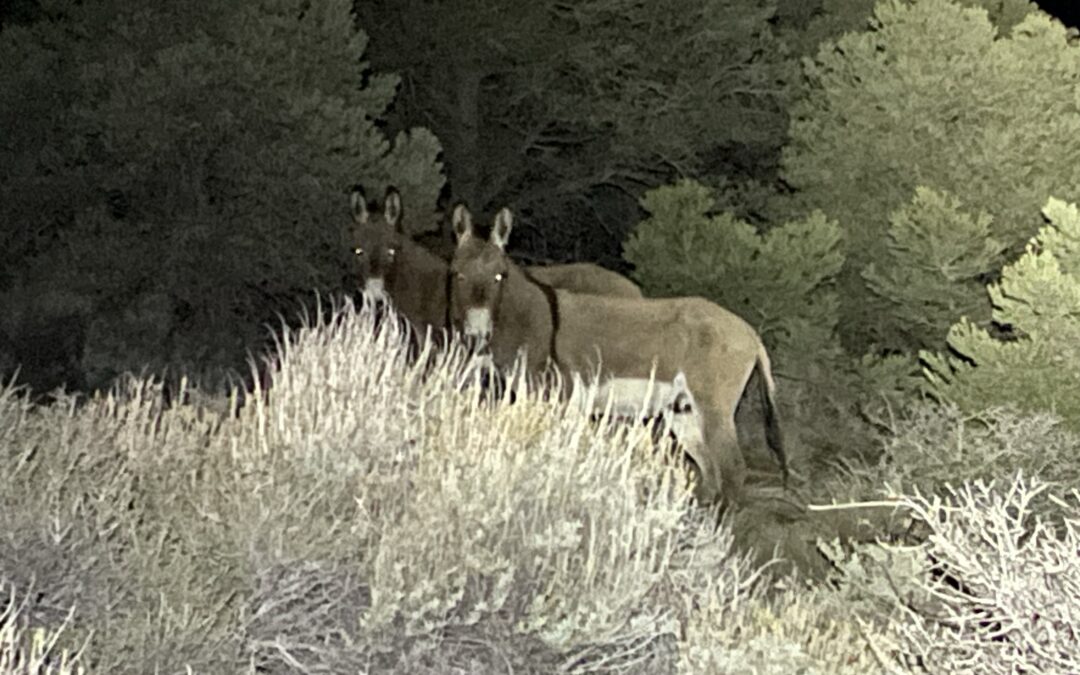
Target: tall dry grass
<point>374,510</point>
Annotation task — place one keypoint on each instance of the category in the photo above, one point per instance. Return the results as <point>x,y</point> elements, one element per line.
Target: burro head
<point>375,238</point>
<point>478,275</point>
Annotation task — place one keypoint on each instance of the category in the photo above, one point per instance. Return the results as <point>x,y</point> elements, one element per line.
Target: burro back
<point>585,278</point>
<point>496,303</point>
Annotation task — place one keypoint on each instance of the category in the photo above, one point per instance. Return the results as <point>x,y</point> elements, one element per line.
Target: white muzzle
<point>478,323</point>
<point>375,289</point>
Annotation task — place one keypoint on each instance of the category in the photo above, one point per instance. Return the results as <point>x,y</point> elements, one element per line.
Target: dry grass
<point>26,650</point>
<point>373,512</point>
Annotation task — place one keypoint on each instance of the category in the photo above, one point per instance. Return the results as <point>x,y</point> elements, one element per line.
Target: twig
<point>854,505</point>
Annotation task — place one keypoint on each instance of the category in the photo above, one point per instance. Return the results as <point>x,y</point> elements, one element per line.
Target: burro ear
<point>392,207</point>
<point>358,204</point>
<point>500,231</point>
<point>461,220</point>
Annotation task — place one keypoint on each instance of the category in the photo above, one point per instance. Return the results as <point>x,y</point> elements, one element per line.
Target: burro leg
<point>724,468</point>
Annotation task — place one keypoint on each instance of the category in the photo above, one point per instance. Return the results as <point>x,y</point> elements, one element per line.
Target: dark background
<point>1066,10</point>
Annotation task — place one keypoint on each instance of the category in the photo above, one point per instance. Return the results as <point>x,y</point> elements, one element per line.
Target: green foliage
<point>932,96</point>
<point>836,17</point>
<point>1037,299</point>
<point>624,73</point>
<point>930,275</point>
<point>805,31</point>
<point>185,169</point>
<point>888,379</point>
<point>780,282</point>
<point>930,441</point>
<point>568,110</point>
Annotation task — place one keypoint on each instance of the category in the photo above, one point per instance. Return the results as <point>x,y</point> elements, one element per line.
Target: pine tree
<point>933,96</point>
<point>1038,302</point>
<point>931,274</point>
<point>568,111</point>
<point>184,170</point>
<point>779,282</point>
<point>804,28</point>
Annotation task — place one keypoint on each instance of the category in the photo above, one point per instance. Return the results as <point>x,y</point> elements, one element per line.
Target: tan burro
<point>496,302</point>
<point>391,266</point>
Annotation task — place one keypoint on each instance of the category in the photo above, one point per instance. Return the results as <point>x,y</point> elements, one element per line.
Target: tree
<point>1038,302</point>
<point>568,111</point>
<point>932,96</point>
<point>805,27</point>
<point>183,171</point>
<point>780,282</point>
<point>931,274</point>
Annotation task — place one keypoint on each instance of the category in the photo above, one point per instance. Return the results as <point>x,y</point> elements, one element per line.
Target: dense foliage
<point>178,174</point>
<point>780,282</point>
<point>932,96</point>
<point>805,24</point>
<point>569,111</point>
<point>1036,300</point>
<point>936,256</point>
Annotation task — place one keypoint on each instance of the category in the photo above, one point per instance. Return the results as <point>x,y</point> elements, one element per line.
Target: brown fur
<point>416,279</point>
<point>622,337</point>
<point>585,278</point>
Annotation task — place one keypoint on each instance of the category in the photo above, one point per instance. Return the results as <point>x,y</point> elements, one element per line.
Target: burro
<point>507,309</point>
<point>392,267</point>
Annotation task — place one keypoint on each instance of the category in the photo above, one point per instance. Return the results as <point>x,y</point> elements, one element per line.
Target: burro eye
<point>359,250</point>
<point>499,277</point>
<point>391,252</point>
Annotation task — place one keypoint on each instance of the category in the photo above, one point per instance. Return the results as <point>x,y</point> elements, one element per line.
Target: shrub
<point>1002,586</point>
<point>1036,368</point>
<point>928,443</point>
<point>367,511</point>
<point>26,650</point>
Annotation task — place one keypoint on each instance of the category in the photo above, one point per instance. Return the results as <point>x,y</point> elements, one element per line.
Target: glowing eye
<point>391,252</point>
<point>358,251</point>
<point>460,276</point>
<point>498,277</point>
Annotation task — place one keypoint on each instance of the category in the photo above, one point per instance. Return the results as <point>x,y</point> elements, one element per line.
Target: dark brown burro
<point>509,309</point>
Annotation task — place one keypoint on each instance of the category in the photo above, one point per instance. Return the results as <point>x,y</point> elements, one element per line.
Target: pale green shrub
<point>1005,593</point>
<point>798,630</point>
<point>927,444</point>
